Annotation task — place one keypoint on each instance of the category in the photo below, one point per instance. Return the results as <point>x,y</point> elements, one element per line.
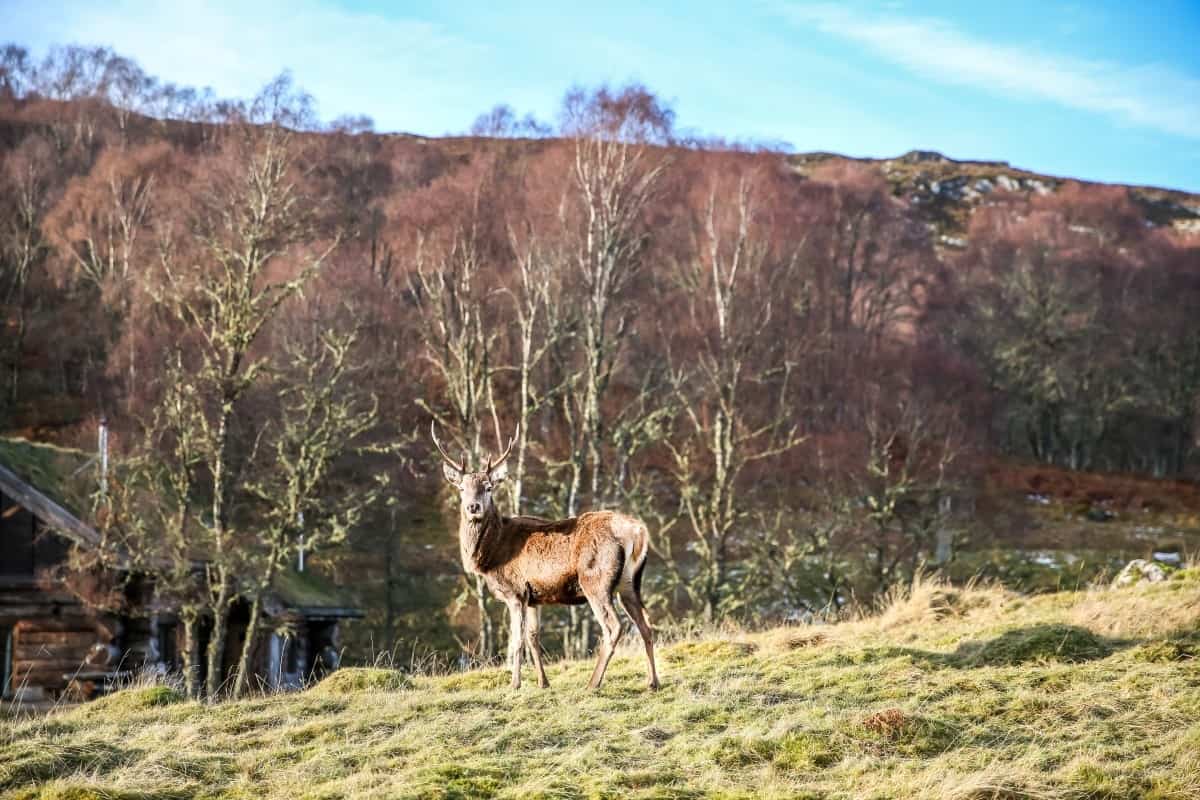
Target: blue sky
<point>1099,90</point>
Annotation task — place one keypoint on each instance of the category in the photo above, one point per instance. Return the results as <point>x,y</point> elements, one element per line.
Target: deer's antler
<point>449,461</point>
<point>503,456</point>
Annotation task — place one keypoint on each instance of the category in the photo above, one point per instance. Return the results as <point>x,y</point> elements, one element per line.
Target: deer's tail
<point>636,544</point>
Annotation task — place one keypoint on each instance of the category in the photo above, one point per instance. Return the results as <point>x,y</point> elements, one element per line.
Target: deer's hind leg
<point>631,600</point>
<point>610,628</point>
<point>599,588</point>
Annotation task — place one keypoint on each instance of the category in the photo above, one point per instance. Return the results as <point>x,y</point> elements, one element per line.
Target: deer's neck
<point>477,538</point>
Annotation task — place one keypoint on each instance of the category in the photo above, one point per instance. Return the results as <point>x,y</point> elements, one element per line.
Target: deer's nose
<point>474,508</point>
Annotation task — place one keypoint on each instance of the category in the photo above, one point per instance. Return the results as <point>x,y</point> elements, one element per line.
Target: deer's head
<point>475,489</point>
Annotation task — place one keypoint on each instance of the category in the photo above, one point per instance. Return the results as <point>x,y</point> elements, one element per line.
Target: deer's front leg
<point>516,639</point>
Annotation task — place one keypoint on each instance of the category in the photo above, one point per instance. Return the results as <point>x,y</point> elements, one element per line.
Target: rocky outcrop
<point>1140,571</point>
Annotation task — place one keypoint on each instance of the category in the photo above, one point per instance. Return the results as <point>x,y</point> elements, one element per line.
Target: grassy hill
<point>946,693</point>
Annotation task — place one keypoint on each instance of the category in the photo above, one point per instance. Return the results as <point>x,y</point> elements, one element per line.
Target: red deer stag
<point>529,562</point>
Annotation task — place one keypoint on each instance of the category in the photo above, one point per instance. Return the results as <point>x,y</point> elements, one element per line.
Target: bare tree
<point>613,174</point>
<point>130,91</point>
<point>16,71</point>
<point>104,232</point>
<point>615,164</point>
<point>867,255</point>
<point>446,285</point>
<point>252,242</point>
<point>907,485</point>
<point>325,418</point>
<point>502,121</point>
<point>733,393</point>
<point>149,517</point>
<point>542,324</point>
<point>26,180</point>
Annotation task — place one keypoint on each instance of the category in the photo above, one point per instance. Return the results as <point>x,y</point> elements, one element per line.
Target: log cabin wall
<point>48,632</point>
<point>55,645</point>
<point>47,652</point>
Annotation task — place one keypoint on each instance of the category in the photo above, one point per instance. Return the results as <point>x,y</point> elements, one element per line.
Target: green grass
<point>61,473</point>
<point>947,693</point>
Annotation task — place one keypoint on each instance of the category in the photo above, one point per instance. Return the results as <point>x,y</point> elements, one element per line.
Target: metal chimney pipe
<point>102,447</point>
<point>300,560</point>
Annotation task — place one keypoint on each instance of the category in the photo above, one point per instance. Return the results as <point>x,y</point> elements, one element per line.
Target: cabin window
<point>49,548</point>
<point>6,660</point>
<point>168,651</point>
<point>26,546</point>
<point>16,539</point>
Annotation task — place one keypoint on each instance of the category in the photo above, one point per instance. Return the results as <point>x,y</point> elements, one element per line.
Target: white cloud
<point>1152,95</point>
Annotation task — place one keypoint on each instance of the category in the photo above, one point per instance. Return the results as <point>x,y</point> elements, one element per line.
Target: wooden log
<point>81,689</point>
<point>76,638</point>
<point>35,596</point>
<point>60,624</point>
<point>40,650</point>
<point>38,669</point>
<point>17,614</point>
<point>41,677</point>
<point>60,664</point>
<point>46,678</point>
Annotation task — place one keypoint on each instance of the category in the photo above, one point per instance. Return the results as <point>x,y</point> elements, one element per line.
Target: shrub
<point>702,651</point>
<point>1047,642</point>
<point>894,730</point>
<point>139,699</point>
<point>794,752</point>
<point>362,679</point>
<point>1164,651</point>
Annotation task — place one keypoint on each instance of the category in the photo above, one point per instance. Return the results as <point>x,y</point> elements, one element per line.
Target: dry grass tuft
<point>1144,609</point>
<point>928,600</point>
<point>888,722</point>
<point>799,640</point>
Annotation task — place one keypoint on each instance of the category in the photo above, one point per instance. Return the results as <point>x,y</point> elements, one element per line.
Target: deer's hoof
<point>653,686</point>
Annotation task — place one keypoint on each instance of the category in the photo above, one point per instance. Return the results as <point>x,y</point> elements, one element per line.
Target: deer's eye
<point>487,487</point>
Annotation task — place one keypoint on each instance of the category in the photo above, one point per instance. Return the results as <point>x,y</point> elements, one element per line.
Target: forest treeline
<point>785,372</point>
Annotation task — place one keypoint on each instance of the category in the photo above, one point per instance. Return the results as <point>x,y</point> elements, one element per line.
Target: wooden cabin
<point>54,645</point>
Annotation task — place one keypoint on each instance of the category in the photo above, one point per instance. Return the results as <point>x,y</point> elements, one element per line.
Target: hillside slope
<point>948,693</point>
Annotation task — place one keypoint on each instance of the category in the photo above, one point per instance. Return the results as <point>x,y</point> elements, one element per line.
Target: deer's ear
<point>453,476</point>
<point>498,473</point>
